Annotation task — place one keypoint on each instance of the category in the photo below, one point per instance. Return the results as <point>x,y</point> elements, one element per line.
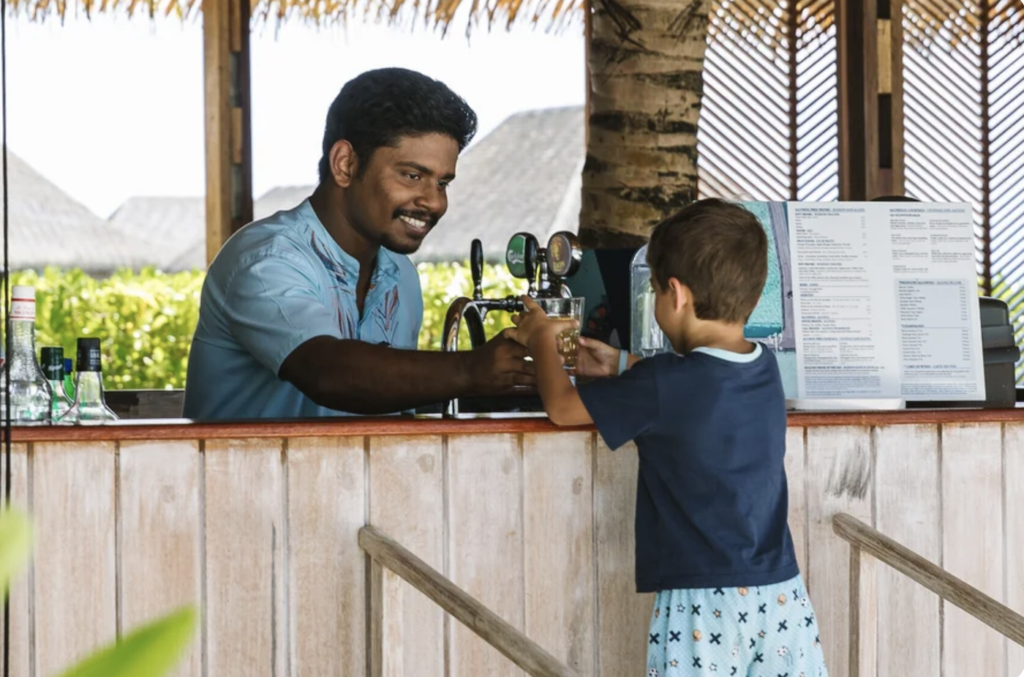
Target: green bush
<point>145,319</point>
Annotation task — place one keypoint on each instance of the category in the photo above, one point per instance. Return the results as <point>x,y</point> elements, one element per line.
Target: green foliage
<point>145,320</point>
<point>15,544</point>
<point>442,283</point>
<point>150,651</point>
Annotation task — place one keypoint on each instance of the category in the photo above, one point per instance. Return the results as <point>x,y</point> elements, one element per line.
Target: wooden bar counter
<point>257,523</point>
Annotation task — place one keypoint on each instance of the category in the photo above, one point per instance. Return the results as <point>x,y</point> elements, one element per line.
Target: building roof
<point>49,227</point>
<point>523,176</point>
<point>167,227</point>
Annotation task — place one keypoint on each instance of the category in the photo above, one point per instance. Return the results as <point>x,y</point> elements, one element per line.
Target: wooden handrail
<point>494,630</point>
<point>992,613</point>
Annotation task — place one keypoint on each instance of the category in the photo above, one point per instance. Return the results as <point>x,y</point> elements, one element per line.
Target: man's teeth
<point>415,223</point>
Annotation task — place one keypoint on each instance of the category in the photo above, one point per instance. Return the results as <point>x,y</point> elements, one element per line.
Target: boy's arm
<point>561,400</point>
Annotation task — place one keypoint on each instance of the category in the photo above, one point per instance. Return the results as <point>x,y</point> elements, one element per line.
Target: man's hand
<point>500,365</point>
<point>597,359</point>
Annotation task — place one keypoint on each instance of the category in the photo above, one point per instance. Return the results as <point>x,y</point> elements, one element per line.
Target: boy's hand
<point>597,359</point>
<point>534,324</point>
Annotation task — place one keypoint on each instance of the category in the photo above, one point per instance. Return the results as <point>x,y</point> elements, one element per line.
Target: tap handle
<point>476,267</point>
<point>531,258</point>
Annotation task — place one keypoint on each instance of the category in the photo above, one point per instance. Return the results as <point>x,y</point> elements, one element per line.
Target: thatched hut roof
<point>553,14</point>
<point>49,227</point>
<point>945,22</point>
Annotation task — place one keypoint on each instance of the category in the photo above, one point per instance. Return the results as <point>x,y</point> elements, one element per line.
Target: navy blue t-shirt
<point>711,501</point>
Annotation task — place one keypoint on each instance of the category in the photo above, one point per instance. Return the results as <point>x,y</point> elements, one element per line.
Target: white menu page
<point>885,301</point>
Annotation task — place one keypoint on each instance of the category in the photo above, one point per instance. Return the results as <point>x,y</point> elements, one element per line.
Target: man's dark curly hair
<point>377,108</point>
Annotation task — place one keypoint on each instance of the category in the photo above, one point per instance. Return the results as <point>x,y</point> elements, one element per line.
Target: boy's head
<point>716,250</point>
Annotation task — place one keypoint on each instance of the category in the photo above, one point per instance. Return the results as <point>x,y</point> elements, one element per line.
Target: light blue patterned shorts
<point>767,631</point>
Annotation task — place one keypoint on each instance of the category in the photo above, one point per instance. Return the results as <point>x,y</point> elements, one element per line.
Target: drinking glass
<point>569,338</point>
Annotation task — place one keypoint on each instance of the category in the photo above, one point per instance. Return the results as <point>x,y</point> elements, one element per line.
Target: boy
<point>709,421</point>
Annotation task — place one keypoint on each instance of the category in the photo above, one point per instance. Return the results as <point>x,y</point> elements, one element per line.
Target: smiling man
<point>316,311</point>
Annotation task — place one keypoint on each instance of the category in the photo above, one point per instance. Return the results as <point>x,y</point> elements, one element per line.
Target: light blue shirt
<point>274,285</point>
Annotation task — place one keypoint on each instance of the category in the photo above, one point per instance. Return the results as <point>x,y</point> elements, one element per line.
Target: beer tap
<point>524,258</point>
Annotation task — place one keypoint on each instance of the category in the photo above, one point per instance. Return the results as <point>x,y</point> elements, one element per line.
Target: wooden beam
<point>858,96</point>
<point>870,66</point>
<point>227,120</point>
<point>873,543</point>
<point>507,639</point>
<point>899,148</point>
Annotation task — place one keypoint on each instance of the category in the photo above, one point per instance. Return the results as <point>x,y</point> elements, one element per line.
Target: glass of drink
<point>569,338</point>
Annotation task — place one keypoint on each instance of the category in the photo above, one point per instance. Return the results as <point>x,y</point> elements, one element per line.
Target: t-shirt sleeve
<point>272,307</point>
<point>625,406</point>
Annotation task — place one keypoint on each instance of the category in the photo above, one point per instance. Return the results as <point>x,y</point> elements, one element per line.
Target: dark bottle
<point>89,407</point>
<point>53,367</point>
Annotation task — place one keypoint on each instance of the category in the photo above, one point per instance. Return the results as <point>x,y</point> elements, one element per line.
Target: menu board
<point>884,301</point>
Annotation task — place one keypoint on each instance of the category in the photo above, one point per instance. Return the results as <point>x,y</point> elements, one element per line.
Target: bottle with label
<point>89,407</point>
<point>53,367</point>
<point>69,385</point>
<point>31,395</point>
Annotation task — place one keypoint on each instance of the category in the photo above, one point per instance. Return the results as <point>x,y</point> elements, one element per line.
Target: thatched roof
<point>946,22</point>
<point>49,227</point>
<point>553,14</point>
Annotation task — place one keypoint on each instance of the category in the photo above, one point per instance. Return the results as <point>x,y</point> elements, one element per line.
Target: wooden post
<point>891,178</point>
<point>870,67</point>
<point>385,635</point>
<point>228,122</point>
<point>863,614</point>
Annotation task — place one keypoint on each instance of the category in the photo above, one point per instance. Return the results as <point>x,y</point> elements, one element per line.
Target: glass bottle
<point>89,407</point>
<point>31,394</point>
<point>53,367</point>
<point>646,337</point>
<point>69,369</point>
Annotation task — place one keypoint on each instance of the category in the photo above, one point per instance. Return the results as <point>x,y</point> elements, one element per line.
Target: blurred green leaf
<point>15,544</point>
<point>150,651</point>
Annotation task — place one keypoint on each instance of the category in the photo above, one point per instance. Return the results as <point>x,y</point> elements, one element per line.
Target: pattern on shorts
<point>766,631</point>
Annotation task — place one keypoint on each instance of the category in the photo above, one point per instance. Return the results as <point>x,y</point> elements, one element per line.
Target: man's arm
<point>362,378</point>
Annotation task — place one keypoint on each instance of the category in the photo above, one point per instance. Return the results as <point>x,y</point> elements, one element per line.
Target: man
<point>316,310</point>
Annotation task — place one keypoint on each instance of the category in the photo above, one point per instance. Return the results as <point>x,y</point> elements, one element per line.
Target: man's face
<point>402,193</point>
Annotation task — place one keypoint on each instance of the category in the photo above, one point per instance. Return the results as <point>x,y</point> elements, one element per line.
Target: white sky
<point>111,108</point>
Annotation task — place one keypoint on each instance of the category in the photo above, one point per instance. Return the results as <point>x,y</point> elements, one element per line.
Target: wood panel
<point>839,478</point>
<point>21,605</point>
<point>327,569</point>
<point>972,546</point>
<point>74,582</point>
<point>245,611</point>
<point>407,502</point>
<point>485,542</point>
<point>1013,499</point>
<point>397,426</point>
<point>558,543</point>
<point>796,474</point>
<point>908,510</point>
<point>623,615</point>
<point>160,536</point>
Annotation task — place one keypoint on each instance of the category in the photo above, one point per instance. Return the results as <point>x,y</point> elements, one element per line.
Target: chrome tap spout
<point>468,310</point>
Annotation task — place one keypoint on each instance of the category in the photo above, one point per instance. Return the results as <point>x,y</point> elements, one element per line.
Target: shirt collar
<point>327,248</point>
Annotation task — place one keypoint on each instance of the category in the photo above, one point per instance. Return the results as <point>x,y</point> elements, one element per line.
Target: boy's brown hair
<point>717,249</point>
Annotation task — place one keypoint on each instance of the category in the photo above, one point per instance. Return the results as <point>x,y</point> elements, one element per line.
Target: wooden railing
<point>389,559</point>
<point>869,545</point>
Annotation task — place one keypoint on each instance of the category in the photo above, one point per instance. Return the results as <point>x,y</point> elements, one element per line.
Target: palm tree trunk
<point>646,59</point>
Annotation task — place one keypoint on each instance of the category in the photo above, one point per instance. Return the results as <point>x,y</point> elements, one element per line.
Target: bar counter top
<point>390,426</point>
